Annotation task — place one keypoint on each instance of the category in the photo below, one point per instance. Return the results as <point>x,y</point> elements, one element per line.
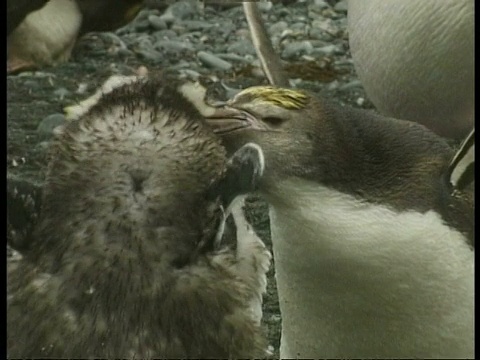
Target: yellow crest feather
<point>285,98</point>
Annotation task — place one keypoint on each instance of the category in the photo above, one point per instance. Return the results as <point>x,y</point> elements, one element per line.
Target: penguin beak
<point>226,119</point>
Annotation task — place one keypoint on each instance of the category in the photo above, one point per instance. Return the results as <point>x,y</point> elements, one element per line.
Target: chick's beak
<point>226,119</point>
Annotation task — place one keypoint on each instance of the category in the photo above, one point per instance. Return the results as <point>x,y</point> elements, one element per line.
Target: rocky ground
<point>189,39</point>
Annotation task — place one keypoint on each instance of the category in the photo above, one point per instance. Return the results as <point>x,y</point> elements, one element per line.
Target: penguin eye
<point>273,121</point>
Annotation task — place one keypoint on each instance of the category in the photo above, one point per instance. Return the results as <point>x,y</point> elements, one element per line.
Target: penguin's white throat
<point>360,279</point>
<point>341,225</point>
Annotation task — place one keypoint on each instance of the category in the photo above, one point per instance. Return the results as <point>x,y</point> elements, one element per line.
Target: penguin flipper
<point>461,171</point>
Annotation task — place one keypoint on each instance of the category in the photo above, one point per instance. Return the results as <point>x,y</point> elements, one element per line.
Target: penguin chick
<point>75,112</point>
<point>125,260</point>
<point>373,246</point>
<point>47,36</point>
<point>420,66</point>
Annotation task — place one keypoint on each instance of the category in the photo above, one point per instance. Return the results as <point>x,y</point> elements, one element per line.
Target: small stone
<point>275,318</point>
<point>82,88</point>
<point>327,50</point>
<point>233,57</point>
<point>341,6</point>
<point>296,49</point>
<point>149,54</point>
<point>179,10</point>
<point>351,85</point>
<point>48,124</point>
<point>141,26</point>
<point>241,47</point>
<point>195,25</point>
<point>62,93</point>
<point>327,25</point>
<point>213,61</point>
<point>173,46</point>
<point>156,22</point>
<point>264,6</point>
<point>164,34</point>
<point>278,28</point>
<point>31,84</point>
<point>189,74</point>
<point>333,85</point>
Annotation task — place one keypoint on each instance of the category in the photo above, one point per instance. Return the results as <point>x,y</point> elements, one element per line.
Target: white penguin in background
<point>415,60</point>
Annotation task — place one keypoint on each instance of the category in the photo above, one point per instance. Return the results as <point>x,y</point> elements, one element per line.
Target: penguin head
<point>287,124</point>
<point>375,159</point>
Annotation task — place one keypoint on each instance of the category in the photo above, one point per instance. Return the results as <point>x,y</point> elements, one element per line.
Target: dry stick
<point>271,63</point>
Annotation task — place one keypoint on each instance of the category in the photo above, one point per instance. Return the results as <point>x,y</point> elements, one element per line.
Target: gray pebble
<point>241,47</point>
<point>182,65</point>
<point>334,85</point>
<point>321,3</point>
<point>341,6</point>
<point>275,318</point>
<point>180,10</point>
<point>48,123</point>
<point>141,26</point>
<point>31,84</point>
<point>173,46</point>
<point>213,61</point>
<point>149,54</point>
<point>327,50</point>
<point>156,22</point>
<point>351,85</point>
<point>234,57</point>
<point>124,52</point>
<point>164,34</point>
<point>278,28</point>
<point>326,25</point>
<point>61,93</point>
<point>189,74</point>
<point>295,49</point>
<point>319,34</point>
<point>298,27</point>
<point>360,101</point>
<point>193,25</point>
<point>265,6</point>
<point>235,13</point>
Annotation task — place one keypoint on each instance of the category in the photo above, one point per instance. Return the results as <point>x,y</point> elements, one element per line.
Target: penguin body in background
<point>415,60</point>
<point>47,35</point>
<point>17,10</point>
<point>373,245</point>
<point>128,259</point>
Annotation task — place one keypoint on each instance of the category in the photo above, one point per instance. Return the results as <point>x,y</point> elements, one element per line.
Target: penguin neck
<point>351,270</point>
